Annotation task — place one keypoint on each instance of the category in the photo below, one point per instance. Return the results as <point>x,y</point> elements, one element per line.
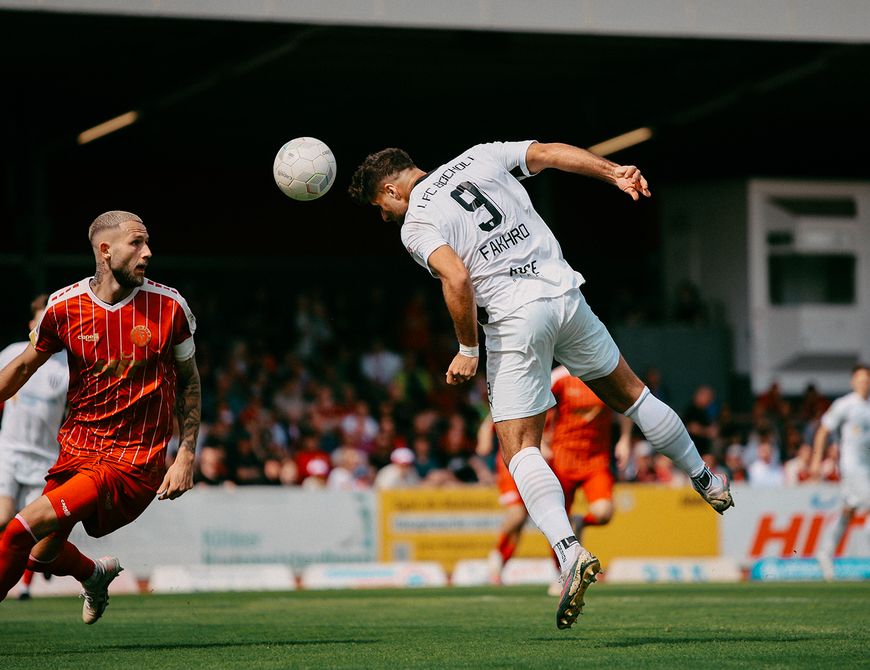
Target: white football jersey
<point>475,204</point>
<point>850,417</point>
<point>31,418</point>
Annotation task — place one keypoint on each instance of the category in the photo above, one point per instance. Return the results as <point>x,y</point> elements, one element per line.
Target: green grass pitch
<point>743,626</point>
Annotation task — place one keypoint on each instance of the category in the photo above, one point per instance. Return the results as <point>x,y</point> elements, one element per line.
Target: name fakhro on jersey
<point>504,242</point>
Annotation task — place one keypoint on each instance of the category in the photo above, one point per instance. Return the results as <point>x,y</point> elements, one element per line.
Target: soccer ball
<point>304,168</point>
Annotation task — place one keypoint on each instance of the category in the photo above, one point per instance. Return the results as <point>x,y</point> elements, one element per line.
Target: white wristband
<point>471,352</point>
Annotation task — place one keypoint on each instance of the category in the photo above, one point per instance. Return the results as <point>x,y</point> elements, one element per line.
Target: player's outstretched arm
<point>19,370</point>
<point>819,443</point>
<point>188,406</point>
<point>459,297</point>
<point>568,158</point>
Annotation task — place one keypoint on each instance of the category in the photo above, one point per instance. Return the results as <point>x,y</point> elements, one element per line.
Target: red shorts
<point>508,493</point>
<point>97,493</point>
<point>596,485</point>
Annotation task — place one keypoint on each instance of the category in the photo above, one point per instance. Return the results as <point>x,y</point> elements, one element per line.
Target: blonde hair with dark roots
<point>108,221</point>
<point>374,170</point>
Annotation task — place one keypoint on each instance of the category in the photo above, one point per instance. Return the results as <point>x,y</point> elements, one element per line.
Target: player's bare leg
<point>599,514</point>
<point>544,499</point>
<point>624,392</point>
<point>831,542</point>
<point>512,527</point>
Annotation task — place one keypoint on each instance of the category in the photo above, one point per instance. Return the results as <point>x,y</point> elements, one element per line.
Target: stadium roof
<point>217,98</point>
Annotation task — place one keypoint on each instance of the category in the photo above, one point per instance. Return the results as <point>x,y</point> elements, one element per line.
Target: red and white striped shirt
<point>122,369</point>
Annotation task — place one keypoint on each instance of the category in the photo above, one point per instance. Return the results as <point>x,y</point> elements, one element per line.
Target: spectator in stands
<point>642,463</point>
<point>326,416</point>
<point>655,383</point>
<point>359,428</point>
<point>379,365</point>
<point>316,473</point>
<point>247,462</point>
<point>400,473</point>
<point>734,464</point>
<point>665,473</point>
<point>796,470</point>
<point>764,471</point>
<point>289,473</point>
<point>312,326</point>
<point>309,450</point>
<point>770,407</point>
<point>459,453</point>
<point>350,470</point>
<point>425,462</point>
<point>211,467</point>
<point>700,418</point>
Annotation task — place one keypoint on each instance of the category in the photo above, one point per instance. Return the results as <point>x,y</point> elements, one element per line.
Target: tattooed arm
<point>179,476</point>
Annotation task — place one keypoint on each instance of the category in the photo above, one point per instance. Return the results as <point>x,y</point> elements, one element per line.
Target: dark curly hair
<point>374,170</point>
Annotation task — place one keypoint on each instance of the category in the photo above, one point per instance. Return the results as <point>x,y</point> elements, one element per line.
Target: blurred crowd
<point>360,401</point>
<point>771,446</point>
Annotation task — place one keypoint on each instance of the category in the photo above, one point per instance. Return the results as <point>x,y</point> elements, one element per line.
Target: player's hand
<point>629,180</point>
<point>179,476</point>
<point>461,369</point>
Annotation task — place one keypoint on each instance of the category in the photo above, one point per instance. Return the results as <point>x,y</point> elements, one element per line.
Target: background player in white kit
<point>849,419</point>
<point>471,224</point>
<point>28,433</point>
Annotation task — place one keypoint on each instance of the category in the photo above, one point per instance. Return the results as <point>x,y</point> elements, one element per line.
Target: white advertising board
<point>218,526</point>
<point>787,523</point>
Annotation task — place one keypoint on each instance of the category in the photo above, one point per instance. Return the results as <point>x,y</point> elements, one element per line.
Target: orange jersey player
<point>577,442</point>
<point>129,343</point>
<point>579,434</point>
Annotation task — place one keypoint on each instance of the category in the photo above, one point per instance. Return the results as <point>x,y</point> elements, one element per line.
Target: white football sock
<point>545,502</point>
<point>665,431</point>
<point>831,539</point>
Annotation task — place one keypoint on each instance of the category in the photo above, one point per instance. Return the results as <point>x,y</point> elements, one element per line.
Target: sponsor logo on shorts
<point>93,337</point>
<point>63,506</point>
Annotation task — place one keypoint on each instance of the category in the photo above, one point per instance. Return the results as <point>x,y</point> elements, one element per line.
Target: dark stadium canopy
<point>217,99</point>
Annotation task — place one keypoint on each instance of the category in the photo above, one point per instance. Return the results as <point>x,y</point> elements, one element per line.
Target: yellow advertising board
<point>447,525</point>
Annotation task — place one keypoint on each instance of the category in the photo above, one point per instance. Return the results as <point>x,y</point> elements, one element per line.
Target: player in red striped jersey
<point>130,348</point>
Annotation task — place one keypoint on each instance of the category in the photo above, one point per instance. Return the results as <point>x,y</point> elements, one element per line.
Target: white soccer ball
<point>304,168</point>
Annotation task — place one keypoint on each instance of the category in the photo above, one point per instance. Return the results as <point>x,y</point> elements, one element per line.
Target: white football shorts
<point>22,476</point>
<point>520,349</point>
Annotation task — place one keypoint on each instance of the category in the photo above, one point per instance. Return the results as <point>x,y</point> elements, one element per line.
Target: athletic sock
<point>590,520</point>
<point>545,502</point>
<point>665,432</point>
<point>27,578</point>
<point>70,561</point>
<point>15,546</point>
<point>831,541</point>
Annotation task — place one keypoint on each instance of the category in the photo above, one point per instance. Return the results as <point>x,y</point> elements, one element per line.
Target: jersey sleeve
<point>421,238</point>
<point>46,337</point>
<point>511,156</point>
<point>835,416</point>
<point>183,328</point>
